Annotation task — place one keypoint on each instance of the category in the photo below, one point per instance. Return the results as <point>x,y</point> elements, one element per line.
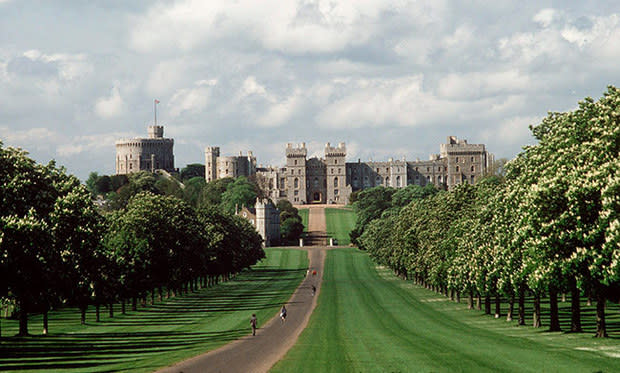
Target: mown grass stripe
<point>367,320</point>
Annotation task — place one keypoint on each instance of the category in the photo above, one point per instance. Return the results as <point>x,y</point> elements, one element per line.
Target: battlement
<point>298,151</point>
<point>340,151</point>
<point>156,132</point>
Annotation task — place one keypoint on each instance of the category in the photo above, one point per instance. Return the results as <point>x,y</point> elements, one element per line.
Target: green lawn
<point>304,218</point>
<point>367,320</point>
<point>160,334</point>
<point>339,223</point>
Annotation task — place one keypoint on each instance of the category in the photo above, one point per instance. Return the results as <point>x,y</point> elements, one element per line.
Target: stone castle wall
<point>145,154</point>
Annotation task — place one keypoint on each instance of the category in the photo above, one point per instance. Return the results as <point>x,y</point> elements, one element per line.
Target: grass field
<point>339,223</point>
<point>160,334</point>
<point>304,218</point>
<point>367,320</point>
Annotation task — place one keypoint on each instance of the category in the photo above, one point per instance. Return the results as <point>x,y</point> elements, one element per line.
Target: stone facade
<point>150,154</point>
<point>331,180</point>
<point>218,167</point>
<point>266,219</point>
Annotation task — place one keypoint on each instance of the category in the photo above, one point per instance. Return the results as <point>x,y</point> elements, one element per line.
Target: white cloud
<point>511,131</point>
<point>166,76</point>
<point>111,106</point>
<point>294,27</point>
<point>70,66</point>
<point>483,84</point>
<point>280,112</point>
<point>545,17</point>
<point>90,143</point>
<point>192,100</point>
<point>29,136</point>
<point>251,87</point>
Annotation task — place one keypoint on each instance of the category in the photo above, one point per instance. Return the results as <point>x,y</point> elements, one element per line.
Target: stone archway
<point>317,197</point>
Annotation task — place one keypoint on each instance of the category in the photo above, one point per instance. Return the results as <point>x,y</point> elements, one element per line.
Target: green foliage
<point>192,170</point>
<point>241,192</point>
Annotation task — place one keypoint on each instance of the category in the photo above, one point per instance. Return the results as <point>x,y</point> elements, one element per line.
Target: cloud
<point>192,100</point>
<point>292,27</point>
<point>545,17</point>
<point>280,112</point>
<point>29,136</point>
<point>483,84</point>
<point>90,143</point>
<point>111,106</point>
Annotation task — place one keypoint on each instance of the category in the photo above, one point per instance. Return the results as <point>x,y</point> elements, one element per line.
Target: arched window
<point>378,180</point>
<point>296,183</point>
<point>398,181</point>
<point>296,162</point>
<point>335,182</point>
<point>316,182</point>
<point>472,168</point>
<point>457,169</point>
<point>387,181</point>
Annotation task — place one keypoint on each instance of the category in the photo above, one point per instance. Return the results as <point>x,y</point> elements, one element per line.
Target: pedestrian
<point>313,290</point>
<point>283,313</point>
<point>253,323</point>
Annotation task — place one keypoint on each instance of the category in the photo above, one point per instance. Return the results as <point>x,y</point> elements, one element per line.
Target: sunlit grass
<point>368,320</point>
<point>160,334</point>
<point>339,224</point>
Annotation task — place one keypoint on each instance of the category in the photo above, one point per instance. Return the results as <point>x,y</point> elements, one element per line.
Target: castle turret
<point>335,161</point>
<point>296,173</point>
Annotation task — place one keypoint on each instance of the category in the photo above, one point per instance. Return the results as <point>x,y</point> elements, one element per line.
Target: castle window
<point>439,179</point>
<point>398,181</point>
<point>457,159</point>
<point>296,183</point>
<point>335,192</point>
<point>428,178</point>
<point>316,182</point>
<point>472,159</point>
<point>335,161</point>
<point>377,170</point>
<point>378,180</point>
<point>291,171</point>
<point>472,179</point>
<point>296,162</point>
<point>332,170</point>
<point>387,169</point>
<point>439,169</point>
<point>299,172</point>
<point>416,169</point>
<point>387,181</point>
<point>472,168</point>
<point>366,183</point>
<point>339,170</point>
<point>131,166</point>
<point>428,169</point>
<point>296,192</point>
<point>335,182</point>
<point>281,182</point>
<point>457,169</point>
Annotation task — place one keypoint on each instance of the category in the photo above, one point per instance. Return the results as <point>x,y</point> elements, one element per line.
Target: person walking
<point>313,290</point>
<point>253,323</point>
<point>283,313</point>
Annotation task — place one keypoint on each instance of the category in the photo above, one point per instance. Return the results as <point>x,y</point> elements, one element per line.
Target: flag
<point>156,101</point>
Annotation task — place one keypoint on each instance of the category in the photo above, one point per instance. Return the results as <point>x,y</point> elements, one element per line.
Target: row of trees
<point>57,248</point>
<point>228,194</point>
<point>550,226</point>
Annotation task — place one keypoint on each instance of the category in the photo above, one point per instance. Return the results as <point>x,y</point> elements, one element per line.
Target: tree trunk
<point>536,319</point>
<point>458,296</point>
<point>23,318</point>
<point>479,302</point>
<point>521,305</point>
<point>487,304</point>
<point>82,315</point>
<point>511,307</point>
<point>575,307</point>
<point>554,316</point>
<point>123,307</point>
<point>470,300</point>
<point>111,305</point>
<point>134,304</point>
<point>160,295</point>
<point>497,306</point>
<point>97,313</point>
<point>589,296</point>
<point>168,291</point>
<point>45,322</point>
<point>153,296</point>
<point>601,327</point>
<point>452,295</point>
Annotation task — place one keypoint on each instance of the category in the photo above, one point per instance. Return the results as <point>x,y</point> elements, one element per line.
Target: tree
<point>241,192</point>
<point>192,170</point>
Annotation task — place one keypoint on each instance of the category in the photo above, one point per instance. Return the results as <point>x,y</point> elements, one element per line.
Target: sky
<point>389,78</point>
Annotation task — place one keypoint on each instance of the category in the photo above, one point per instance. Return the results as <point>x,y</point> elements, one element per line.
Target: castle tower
<point>466,163</point>
<point>335,158</point>
<point>296,173</point>
<point>261,220</point>
<point>212,153</point>
<point>145,154</point>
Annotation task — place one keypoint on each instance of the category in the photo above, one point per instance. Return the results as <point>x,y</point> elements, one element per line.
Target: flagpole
<point>155,110</point>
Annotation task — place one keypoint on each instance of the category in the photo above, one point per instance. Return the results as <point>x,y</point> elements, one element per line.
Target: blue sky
<point>390,78</point>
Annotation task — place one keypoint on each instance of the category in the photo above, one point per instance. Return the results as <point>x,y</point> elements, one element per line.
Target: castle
<point>265,217</point>
<point>150,154</point>
<point>331,179</point>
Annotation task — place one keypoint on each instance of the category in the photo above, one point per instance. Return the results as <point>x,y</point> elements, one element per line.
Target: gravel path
<point>259,353</point>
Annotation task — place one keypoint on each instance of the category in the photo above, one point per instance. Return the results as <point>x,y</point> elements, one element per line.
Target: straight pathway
<point>259,353</point>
